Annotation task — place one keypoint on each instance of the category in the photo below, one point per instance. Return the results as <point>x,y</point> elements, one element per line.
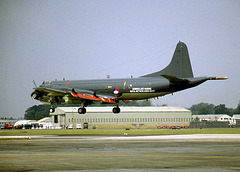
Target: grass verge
<point>120,132</point>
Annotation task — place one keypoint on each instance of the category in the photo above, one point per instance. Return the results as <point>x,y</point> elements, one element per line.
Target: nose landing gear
<point>52,110</point>
<point>51,100</point>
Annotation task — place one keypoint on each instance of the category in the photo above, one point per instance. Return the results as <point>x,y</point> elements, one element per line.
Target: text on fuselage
<point>141,90</point>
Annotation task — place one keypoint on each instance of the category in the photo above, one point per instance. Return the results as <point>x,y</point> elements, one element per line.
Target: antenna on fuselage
<point>34,83</point>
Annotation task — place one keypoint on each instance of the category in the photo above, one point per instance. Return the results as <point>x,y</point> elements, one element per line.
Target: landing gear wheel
<point>81,110</point>
<point>52,110</point>
<point>116,110</point>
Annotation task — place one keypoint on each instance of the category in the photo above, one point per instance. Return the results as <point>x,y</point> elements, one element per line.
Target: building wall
<point>124,119</point>
<point>238,123</point>
<point>215,117</point>
<point>209,124</point>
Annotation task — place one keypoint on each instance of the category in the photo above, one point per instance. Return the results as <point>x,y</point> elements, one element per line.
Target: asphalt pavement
<point>125,153</point>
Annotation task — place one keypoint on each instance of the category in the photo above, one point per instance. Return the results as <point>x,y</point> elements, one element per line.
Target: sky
<point>45,40</point>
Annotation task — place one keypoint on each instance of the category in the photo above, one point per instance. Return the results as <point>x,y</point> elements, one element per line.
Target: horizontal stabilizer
<point>175,79</point>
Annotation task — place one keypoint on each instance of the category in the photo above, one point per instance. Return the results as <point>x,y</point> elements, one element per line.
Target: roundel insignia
<point>115,90</point>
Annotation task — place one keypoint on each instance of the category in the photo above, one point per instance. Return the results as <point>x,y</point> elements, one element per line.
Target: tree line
<point>205,108</point>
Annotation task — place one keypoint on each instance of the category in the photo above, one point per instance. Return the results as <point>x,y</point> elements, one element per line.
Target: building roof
<point>124,109</point>
<point>236,116</point>
<point>46,119</point>
<point>24,122</point>
<point>212,116</point>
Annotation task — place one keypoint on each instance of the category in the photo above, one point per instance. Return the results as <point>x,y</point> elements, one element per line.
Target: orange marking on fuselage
<point>89,97</point>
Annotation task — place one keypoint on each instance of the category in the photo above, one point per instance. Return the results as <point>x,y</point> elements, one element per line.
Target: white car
<point>70,126</point>
<point>79,126</point>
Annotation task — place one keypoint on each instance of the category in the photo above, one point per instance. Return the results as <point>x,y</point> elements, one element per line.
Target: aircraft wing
<point>76,93</point>
<point>51,90</point>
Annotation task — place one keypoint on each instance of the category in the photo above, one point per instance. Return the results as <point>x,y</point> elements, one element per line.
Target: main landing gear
<point>82,110</point>
<point>116,110</point>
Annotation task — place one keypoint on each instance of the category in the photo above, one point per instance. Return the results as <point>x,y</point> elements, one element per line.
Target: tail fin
<point>180,65</point>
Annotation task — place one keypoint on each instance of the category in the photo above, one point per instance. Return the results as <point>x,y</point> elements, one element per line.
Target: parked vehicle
<point>8,126</point>
<point>175,127</point>
<point>85,125</point>
<point>79,126</point>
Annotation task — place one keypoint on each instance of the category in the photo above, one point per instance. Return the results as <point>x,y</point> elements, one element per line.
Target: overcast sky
<point>47,40</point>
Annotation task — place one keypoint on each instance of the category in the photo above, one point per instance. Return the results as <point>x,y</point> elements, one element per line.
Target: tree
<point>196,119</point>
<point>37,112</point>
<point>221,109</point>
<point>237,110</point>
<point>202,108</point>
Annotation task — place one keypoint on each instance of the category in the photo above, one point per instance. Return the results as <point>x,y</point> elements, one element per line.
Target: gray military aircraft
<point>175,77</point>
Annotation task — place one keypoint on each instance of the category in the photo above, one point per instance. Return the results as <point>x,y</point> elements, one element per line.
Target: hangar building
<point>129,117</point>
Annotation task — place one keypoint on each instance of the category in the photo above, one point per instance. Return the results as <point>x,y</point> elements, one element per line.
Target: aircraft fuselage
<point>129,89</point>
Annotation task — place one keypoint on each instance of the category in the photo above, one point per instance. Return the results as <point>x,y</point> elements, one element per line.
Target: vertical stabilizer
<point>180,65</point>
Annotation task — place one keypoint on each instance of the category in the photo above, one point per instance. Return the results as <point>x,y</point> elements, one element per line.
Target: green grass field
<point>120,132</point>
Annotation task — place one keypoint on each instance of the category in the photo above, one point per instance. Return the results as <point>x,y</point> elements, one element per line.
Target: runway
<point>125,153</point>
<point>205,137</point>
